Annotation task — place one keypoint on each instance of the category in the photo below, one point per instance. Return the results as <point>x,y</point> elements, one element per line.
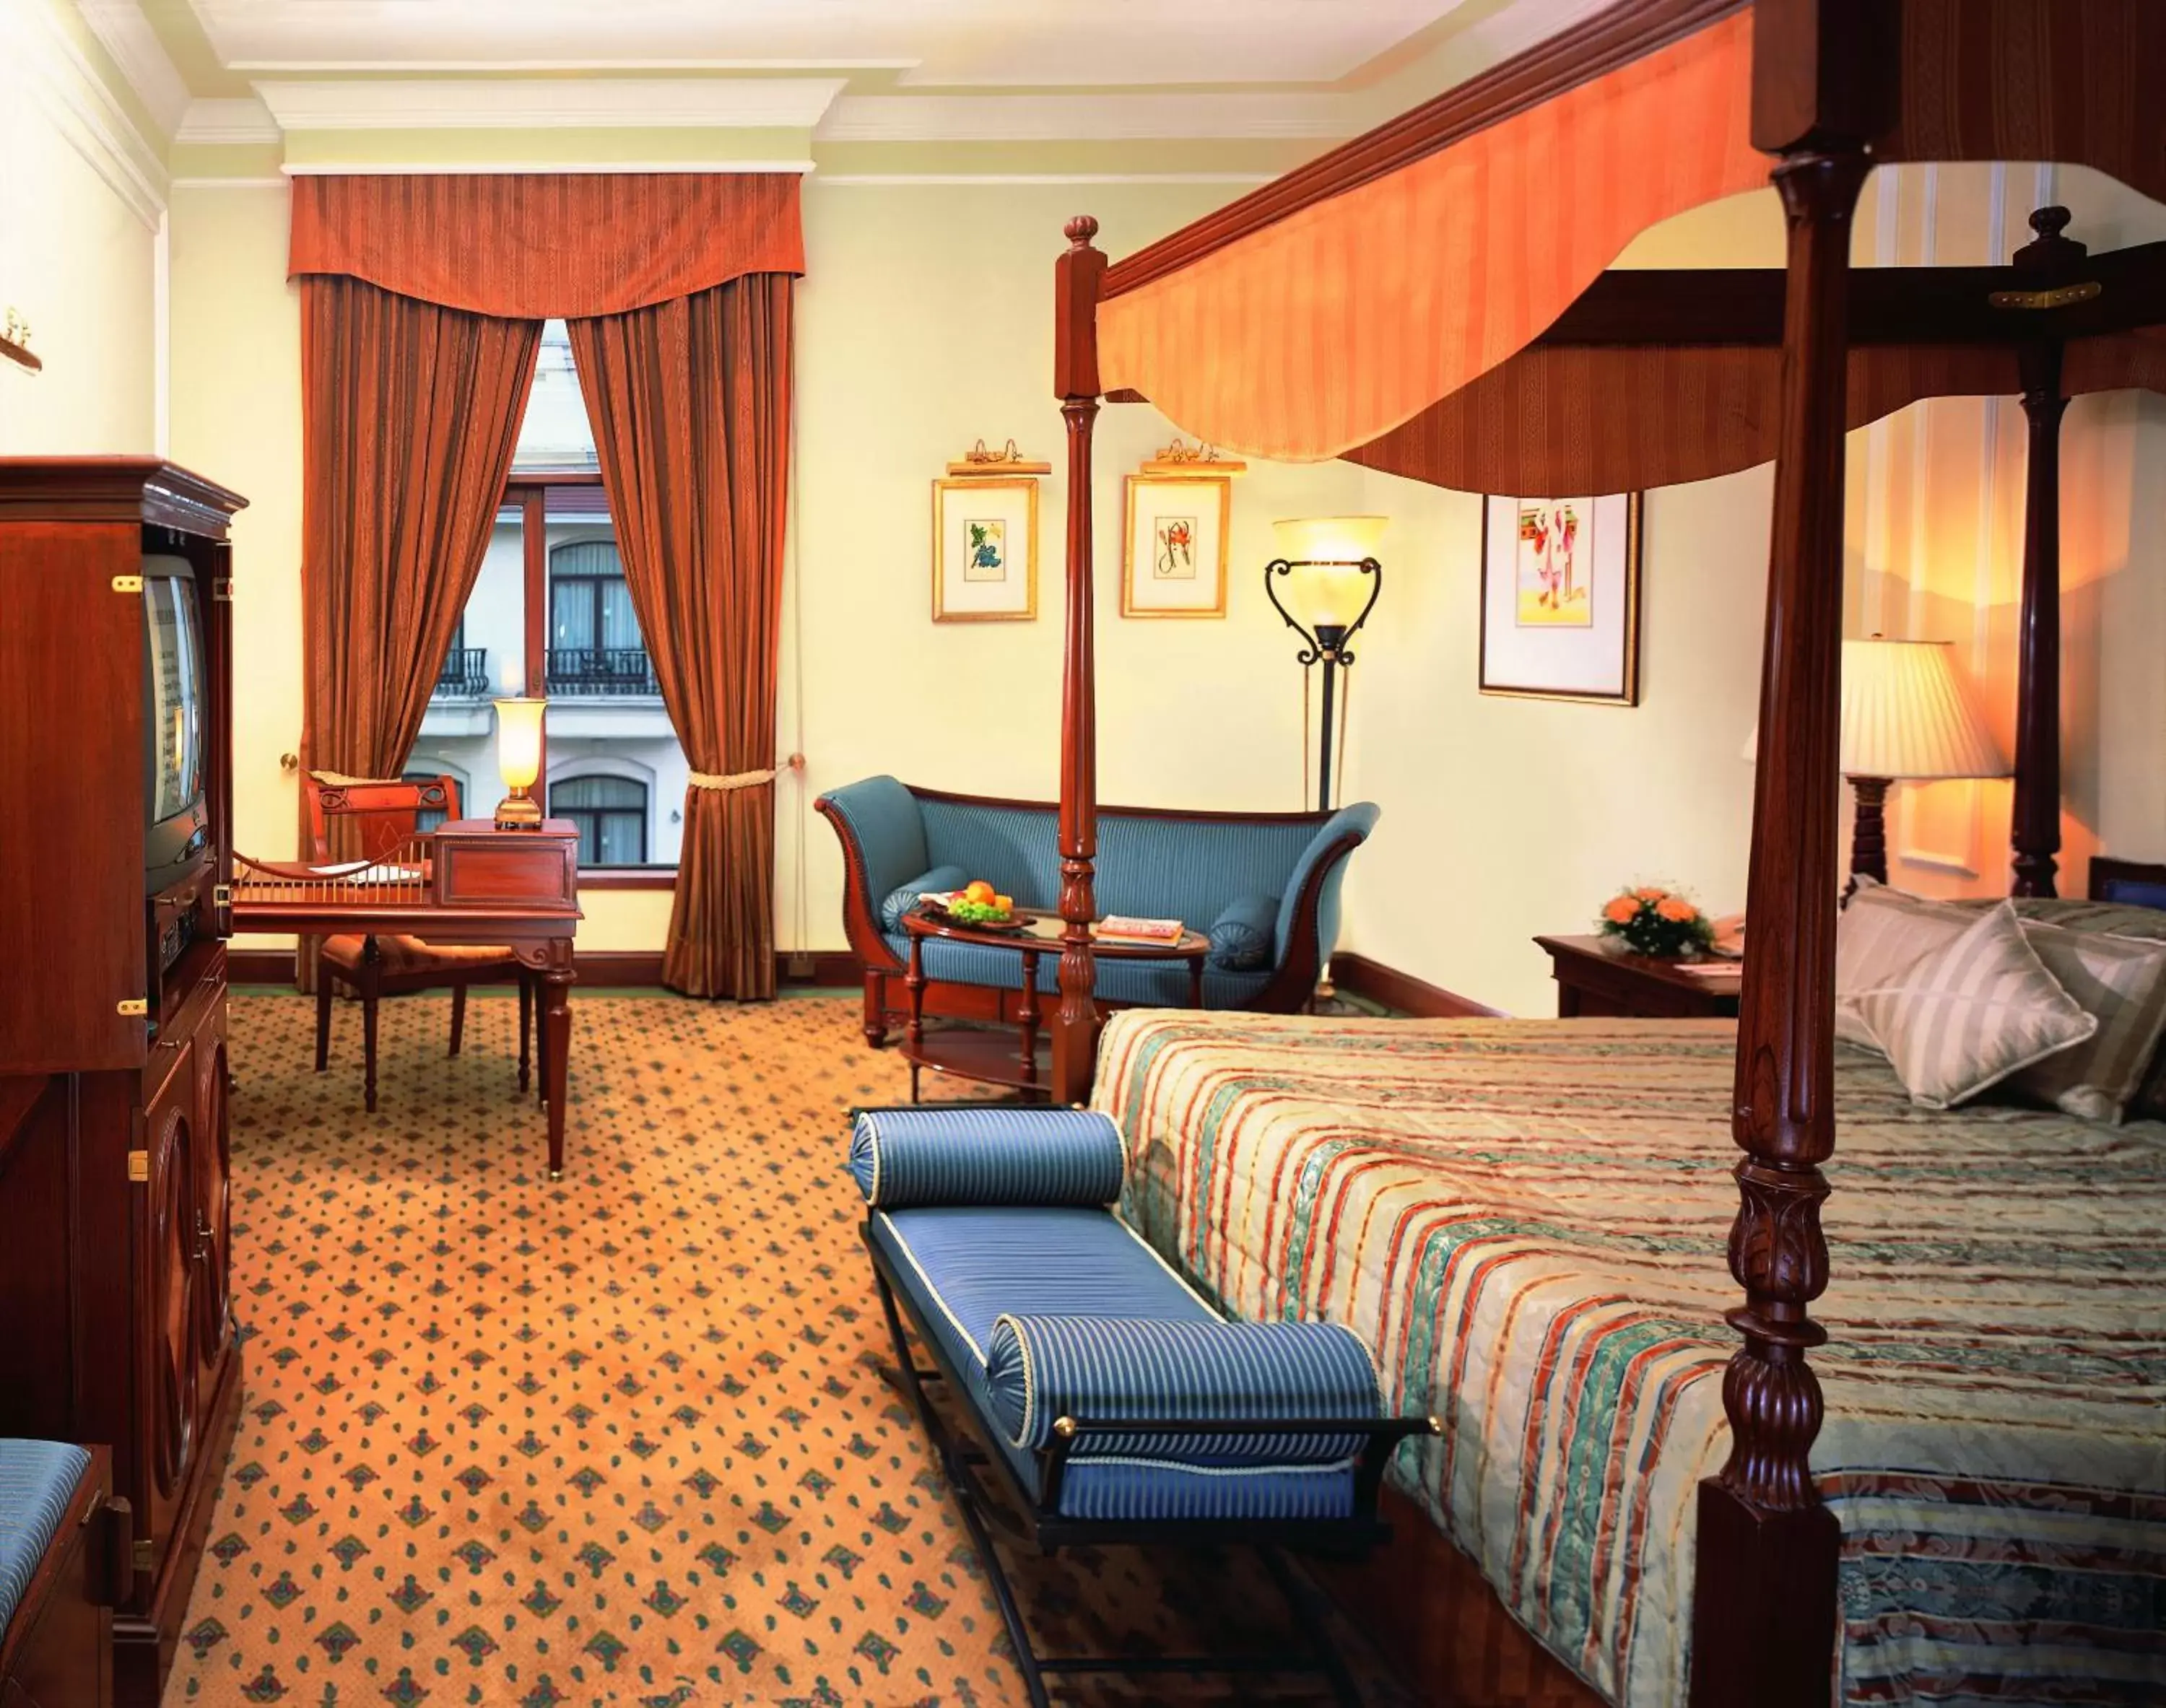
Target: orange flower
<point>1651,893</point>
<point>1622,911</point>
<point>1677,909</point>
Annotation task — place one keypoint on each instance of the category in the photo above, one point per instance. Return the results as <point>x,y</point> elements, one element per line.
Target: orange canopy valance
<point>528,245</point>
<point>1344,319</point>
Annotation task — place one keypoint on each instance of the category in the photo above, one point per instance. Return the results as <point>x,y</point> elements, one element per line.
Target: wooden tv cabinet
<point>114,1268</point>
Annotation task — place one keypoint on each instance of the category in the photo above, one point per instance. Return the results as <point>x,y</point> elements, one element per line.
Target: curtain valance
<point>1338,322</point>
<point>529,245</point>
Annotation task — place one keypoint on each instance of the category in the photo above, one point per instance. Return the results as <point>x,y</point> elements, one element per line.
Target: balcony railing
<point>601,672</point>
<point>465,675</point>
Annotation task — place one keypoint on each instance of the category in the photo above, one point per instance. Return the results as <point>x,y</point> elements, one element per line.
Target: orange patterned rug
<point>624,1438</point>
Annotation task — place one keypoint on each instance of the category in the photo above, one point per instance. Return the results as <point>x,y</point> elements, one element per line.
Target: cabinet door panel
<point>165,1280</point>
<point>213,1208</point>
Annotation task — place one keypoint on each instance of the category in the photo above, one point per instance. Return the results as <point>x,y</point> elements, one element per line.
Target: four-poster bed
<point>1341,311</point>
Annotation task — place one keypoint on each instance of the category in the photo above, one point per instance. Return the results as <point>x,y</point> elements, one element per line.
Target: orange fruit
<point>980,892</point>
<point>1005,904</point>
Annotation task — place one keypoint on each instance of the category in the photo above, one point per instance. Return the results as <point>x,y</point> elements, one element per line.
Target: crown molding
<point>126,34</point>
<point>881,180</point>
<point>1114,117</point>
<point>555,104</point>
<point>245,119</point>
<point>359,169</point>
<point>495,68</point>
<point>95,125</point>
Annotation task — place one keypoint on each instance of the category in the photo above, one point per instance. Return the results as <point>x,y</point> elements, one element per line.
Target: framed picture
<point>1172,563</point>
<point>1560,598</point>
<point>984,550</point>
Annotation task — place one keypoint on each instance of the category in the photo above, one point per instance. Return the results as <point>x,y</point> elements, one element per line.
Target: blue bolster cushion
<point>1102,1370</point>
<point>1244,935</point>
<point>903,897</point>
<point>957,1155</point>
<point>38,1478</point>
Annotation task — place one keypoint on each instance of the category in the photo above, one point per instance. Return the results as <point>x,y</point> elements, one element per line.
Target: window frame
<point>642,810</point>
<point>528,493</point>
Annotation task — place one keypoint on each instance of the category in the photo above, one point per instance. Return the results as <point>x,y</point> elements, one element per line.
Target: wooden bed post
<point>2036,829</point>
<point>1076,280</point>
<point>1764,1604</point>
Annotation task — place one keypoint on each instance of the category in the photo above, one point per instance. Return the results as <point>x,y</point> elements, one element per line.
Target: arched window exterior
<point>611,815</point>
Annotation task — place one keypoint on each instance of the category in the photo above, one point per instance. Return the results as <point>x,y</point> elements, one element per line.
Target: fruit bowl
<point>978,905</point>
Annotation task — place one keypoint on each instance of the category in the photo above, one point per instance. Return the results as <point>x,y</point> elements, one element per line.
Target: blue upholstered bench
<point>1264,887</point>
<point>58,1571</point>
<point>1114,1403</point>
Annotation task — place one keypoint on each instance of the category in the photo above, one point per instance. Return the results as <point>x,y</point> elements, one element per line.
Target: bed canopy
<point>1430,299</point>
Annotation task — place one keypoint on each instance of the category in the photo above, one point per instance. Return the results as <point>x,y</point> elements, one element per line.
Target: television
<point>176,722</point>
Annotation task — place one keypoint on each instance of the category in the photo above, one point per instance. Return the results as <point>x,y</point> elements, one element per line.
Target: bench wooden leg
<point>323,1015</point>
<point>458,1016</point>
<point>371,980</point>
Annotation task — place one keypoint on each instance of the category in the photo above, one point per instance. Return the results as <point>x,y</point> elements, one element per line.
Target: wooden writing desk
<point>465,882</point>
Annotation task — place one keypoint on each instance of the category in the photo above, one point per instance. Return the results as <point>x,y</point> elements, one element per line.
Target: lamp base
<point>518,812</point>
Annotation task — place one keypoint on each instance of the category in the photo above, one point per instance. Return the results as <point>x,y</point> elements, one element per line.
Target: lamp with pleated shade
<point>1907,716</point>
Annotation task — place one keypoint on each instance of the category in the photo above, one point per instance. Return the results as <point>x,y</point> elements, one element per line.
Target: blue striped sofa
<point>1279,870</point>
<point>59,1569</point>
<point>1114,1403</point>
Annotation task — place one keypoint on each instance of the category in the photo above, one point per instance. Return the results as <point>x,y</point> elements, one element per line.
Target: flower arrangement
<point>1657,922</point>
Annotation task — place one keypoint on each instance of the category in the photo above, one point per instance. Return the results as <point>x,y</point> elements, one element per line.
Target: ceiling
<point>842,72</point>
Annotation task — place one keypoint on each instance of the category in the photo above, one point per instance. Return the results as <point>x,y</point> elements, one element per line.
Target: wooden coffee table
<point>996,1056</point>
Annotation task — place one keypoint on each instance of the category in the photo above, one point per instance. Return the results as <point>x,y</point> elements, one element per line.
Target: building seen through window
<point>551,614</point>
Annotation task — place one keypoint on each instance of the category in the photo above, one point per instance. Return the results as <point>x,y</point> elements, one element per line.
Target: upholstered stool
<point>1115,1405</point>
<point>64,1558</point>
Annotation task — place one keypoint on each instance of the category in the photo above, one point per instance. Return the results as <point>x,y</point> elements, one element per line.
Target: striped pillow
<point>1882,934</point>
<point>1973,1012</point>
<point>2120,980</point>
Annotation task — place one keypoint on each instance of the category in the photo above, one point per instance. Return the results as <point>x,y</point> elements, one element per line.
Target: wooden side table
<point>1593,980</point>
<point>996,1057</point>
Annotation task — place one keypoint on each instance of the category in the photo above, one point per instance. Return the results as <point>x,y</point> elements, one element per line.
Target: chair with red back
<point>377,819</point>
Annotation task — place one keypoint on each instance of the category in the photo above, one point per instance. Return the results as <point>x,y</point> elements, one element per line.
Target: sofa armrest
<point>1095,1371</point>
<point>902,1158</point>
<point>1317,877</point>
<point>882,837</point>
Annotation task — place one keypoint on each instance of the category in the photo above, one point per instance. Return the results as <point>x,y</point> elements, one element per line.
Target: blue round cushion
<point>903,896</point>
<point>1244,937</point>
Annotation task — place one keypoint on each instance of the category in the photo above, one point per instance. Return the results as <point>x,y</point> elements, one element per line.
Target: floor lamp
<point>1328,567</point>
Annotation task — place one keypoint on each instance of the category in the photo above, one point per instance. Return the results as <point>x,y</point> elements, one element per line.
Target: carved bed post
<point>2036,829</point>
<point>1075,281</point>
<point>1764,1613</point>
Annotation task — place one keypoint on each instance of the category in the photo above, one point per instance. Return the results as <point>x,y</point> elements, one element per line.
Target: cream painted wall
<point>924,325</point>
<point>77,260</point>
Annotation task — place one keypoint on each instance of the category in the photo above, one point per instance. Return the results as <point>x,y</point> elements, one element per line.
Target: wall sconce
<point>1328,567</point>
<point>518,759</point>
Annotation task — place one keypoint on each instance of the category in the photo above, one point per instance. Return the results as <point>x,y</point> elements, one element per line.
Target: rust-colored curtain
<point>690,405</point>
<point>1340,321</point>
<point>528,245</point>
<point>410,415</point>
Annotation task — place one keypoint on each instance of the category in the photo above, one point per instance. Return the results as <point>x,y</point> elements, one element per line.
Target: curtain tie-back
<point>736,779</point>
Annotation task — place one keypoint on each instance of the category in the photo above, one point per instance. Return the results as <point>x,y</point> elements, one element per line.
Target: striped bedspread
<point>1526,1221</point>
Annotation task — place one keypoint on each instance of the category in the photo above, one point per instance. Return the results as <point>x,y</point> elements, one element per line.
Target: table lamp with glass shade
<point>518,759</point>
<point>1328,569</point>
<point>1907,717</point>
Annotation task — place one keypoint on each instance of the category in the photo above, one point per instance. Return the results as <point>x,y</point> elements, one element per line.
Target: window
<point>426,818</point>
<point>594,644</point>
<point>611,815</point>
<point>550,613</point>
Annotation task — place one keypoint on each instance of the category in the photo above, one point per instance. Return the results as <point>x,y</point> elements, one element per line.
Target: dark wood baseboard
<point>615,969</point>
<point>1403,991</point>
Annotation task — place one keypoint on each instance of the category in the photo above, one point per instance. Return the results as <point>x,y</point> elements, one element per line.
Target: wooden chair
<point>381,816</point>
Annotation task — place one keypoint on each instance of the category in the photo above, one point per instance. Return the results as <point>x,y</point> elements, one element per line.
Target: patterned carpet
<point>625,1438</point>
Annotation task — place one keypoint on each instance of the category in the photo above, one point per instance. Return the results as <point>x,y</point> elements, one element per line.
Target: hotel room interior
<point>955,853</point>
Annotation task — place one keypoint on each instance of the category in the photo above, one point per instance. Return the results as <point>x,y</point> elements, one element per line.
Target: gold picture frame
<point>974,550</point>
<point>1188,567</point>
<point>1536,642</point>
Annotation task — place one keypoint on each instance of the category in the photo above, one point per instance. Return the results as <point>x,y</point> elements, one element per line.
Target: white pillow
<point>2120,980</point>
<point>1971,1012</point>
